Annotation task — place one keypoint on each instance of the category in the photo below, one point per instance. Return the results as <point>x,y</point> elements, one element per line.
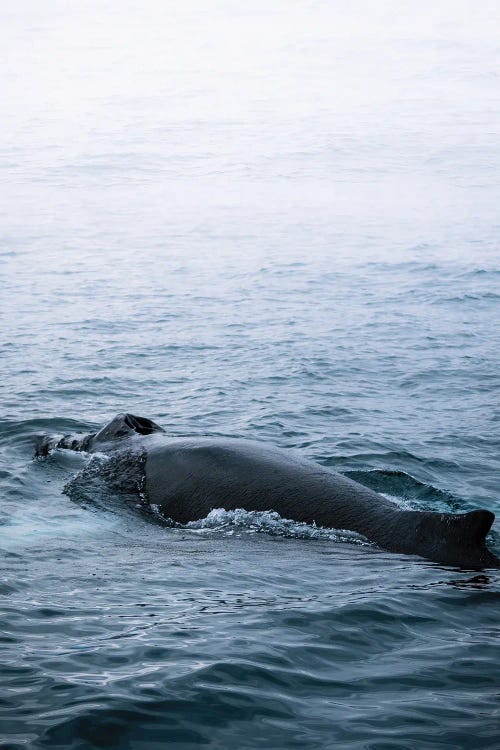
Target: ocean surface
<point>278,221</point>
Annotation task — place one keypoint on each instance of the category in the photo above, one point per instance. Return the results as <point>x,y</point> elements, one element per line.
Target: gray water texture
<point>277,221</point>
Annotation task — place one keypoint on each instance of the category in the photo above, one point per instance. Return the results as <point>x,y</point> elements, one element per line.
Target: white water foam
<point>240,521</point>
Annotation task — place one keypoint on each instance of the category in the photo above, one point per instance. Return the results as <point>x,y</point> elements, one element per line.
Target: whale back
<point>188,477</point>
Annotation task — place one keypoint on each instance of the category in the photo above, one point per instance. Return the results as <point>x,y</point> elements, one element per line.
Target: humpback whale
<point>187,477</point>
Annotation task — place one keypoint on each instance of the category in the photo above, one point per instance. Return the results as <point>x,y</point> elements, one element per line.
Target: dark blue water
<point>279,223</point>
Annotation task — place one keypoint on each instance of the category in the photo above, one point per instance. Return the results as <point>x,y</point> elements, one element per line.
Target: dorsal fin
<point>476,525</point>
<point>455,538</point>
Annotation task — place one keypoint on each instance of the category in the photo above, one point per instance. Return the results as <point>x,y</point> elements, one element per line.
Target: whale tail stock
<point>457,539</point>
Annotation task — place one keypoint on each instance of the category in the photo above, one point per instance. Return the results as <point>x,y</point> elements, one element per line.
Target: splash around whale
<point>188,477</point>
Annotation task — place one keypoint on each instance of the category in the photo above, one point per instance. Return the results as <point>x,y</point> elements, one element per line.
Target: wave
<point>402,486</point>
<point>23,433</point>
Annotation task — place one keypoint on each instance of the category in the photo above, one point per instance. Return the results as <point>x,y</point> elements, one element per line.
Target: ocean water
<point>277,221</point>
